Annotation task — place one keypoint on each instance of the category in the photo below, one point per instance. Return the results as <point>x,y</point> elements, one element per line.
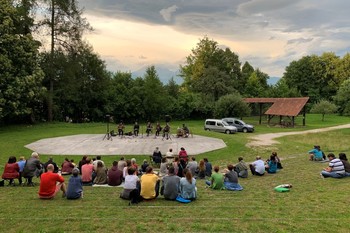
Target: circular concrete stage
<point>95,144</point>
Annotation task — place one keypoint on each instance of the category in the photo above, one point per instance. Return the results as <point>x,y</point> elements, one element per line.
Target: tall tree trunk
<point>52,73</point>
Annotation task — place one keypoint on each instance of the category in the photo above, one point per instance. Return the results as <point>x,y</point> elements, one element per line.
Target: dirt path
<point>268,139</point>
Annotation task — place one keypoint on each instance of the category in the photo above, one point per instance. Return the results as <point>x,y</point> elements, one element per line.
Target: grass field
<point>312,205</point>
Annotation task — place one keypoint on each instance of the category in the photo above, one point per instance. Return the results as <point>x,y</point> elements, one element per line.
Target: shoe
<point>64,195</point>
<point>321,176</point>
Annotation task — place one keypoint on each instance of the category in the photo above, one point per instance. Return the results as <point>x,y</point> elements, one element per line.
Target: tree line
<point>66,78</point>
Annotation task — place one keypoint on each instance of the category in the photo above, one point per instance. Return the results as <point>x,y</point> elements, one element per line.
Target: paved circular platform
<point>95,144</point>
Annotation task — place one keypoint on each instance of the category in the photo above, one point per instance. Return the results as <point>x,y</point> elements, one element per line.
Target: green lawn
<point>312,205</point>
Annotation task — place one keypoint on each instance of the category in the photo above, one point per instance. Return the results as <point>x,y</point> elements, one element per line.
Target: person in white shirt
<point>257,167</point>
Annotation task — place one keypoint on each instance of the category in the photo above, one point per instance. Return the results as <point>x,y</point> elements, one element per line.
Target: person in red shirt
<point>11,170</point>
<point>86,172</point>
<point>51,183</point>
<point>183,154</point>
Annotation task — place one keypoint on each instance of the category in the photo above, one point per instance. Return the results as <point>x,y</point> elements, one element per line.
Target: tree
<point>342,98</point>
<point>282,90</point>
<point>231,105</point>
<point>66,26</point>
<point>324,107</point>
<point>20,87</point>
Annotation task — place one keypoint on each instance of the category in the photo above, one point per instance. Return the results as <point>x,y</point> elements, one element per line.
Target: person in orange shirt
<point>51,183</point>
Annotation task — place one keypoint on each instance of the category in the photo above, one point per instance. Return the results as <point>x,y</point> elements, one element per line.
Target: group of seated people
<point>271,165</point>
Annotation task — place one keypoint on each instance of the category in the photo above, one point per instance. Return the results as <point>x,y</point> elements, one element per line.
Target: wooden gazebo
<point>282,107</point>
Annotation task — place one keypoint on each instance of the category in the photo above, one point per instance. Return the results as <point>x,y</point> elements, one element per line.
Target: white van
<point>219,126</point>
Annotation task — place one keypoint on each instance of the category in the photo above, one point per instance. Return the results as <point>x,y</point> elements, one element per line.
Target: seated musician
<point>149,128</point>
<point>158,129</point>
<point>121,129</point>
<point>185,130</point>
<point>136,129</point>
<point>166,131</point>
<point>179,132</point>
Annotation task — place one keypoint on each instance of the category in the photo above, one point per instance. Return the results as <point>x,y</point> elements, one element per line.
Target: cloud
<point>299,41</point>
<point>166,13</point>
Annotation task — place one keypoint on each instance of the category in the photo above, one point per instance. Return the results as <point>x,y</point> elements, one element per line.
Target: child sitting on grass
<point>216,179</point>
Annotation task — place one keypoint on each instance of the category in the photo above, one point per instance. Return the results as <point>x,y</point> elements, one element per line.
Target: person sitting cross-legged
<point>149,184</point>
<point>170,185</point>
<point>257,167</point>
<point>75,185</point>
<point>187,188</point>
<point>335,168</point>
<point>231,179</point>
<point>51,183</point>
<point>216,180</point>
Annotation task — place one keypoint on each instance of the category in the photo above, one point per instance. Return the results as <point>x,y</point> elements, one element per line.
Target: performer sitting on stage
<point>185,130</point>
<point>121,128</point>
<point>158,129</point>
<point>136,129</point>
<point>166,131</point>
<point>149,128</point>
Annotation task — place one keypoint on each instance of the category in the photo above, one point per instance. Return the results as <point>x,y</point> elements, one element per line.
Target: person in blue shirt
<point>271,166</point>
<point>316,154</point>
<point>75,185</point>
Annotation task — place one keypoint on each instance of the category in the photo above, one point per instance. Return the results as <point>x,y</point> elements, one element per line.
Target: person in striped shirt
<point>335,168</point>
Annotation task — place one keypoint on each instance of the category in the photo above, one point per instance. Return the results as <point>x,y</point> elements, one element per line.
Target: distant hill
<point>164,74</point>
<point>273,80</point>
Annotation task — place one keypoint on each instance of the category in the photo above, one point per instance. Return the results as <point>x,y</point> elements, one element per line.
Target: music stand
<point>108,133</point>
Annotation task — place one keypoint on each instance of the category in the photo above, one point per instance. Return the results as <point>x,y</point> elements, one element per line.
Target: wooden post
<point>260,112</point>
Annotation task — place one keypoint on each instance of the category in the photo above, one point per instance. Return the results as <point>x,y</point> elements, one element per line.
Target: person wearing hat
<point>75,185</point>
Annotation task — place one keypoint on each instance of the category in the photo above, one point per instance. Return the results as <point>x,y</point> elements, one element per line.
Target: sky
<point>269,34</point>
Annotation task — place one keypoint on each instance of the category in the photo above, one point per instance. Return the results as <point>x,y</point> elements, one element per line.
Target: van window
<point>238,123</point>
<point>219,124</point>
<point>210,123</point>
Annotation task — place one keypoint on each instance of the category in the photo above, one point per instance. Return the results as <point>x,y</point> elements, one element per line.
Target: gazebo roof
<point>281,106</point>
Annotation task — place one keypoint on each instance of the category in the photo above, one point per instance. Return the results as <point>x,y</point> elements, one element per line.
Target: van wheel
<point>245,130</point>
<point>227,132</point>
<point>207,129</point>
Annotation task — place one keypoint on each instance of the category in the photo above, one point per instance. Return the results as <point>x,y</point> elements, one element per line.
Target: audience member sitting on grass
<point>271,164</point>
<point>181,167</point>
<point>121,164</point>
<point>101,174</point>
<point>50,161</point>
<point>82,162</point>
<point>216,180</point>
<point>279,164</point>
<point>231,179</point>
<point>131,183</point>
<point>86,172</point>
<point>125,169</point>
<point>149,185</point>
<point>67,167</point>
<point>335,168</point>
<point>187,188</point>
<point>175,164</point>
<point>32,168</point>
<point>157,156</point>
<point>144,166</point>
<point>183,154</point>
<point>170,185</point>
<point>163,171</point>
<point>75,185</point>
<point>115,177</point>
<point>192,165</point>
<point>51,183</point>
<point>21,162</point>
<point>11,170</point>
<point>134,165</point>
<point>201,170</point>
<point>316,154</point>
<point>241,168</point>
<point>98,159</point>
<point>344,159</point>
<point>208,167</point>
<point>257,167</point>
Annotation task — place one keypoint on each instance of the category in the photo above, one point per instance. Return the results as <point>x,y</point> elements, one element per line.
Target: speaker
<point>167,118</point>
